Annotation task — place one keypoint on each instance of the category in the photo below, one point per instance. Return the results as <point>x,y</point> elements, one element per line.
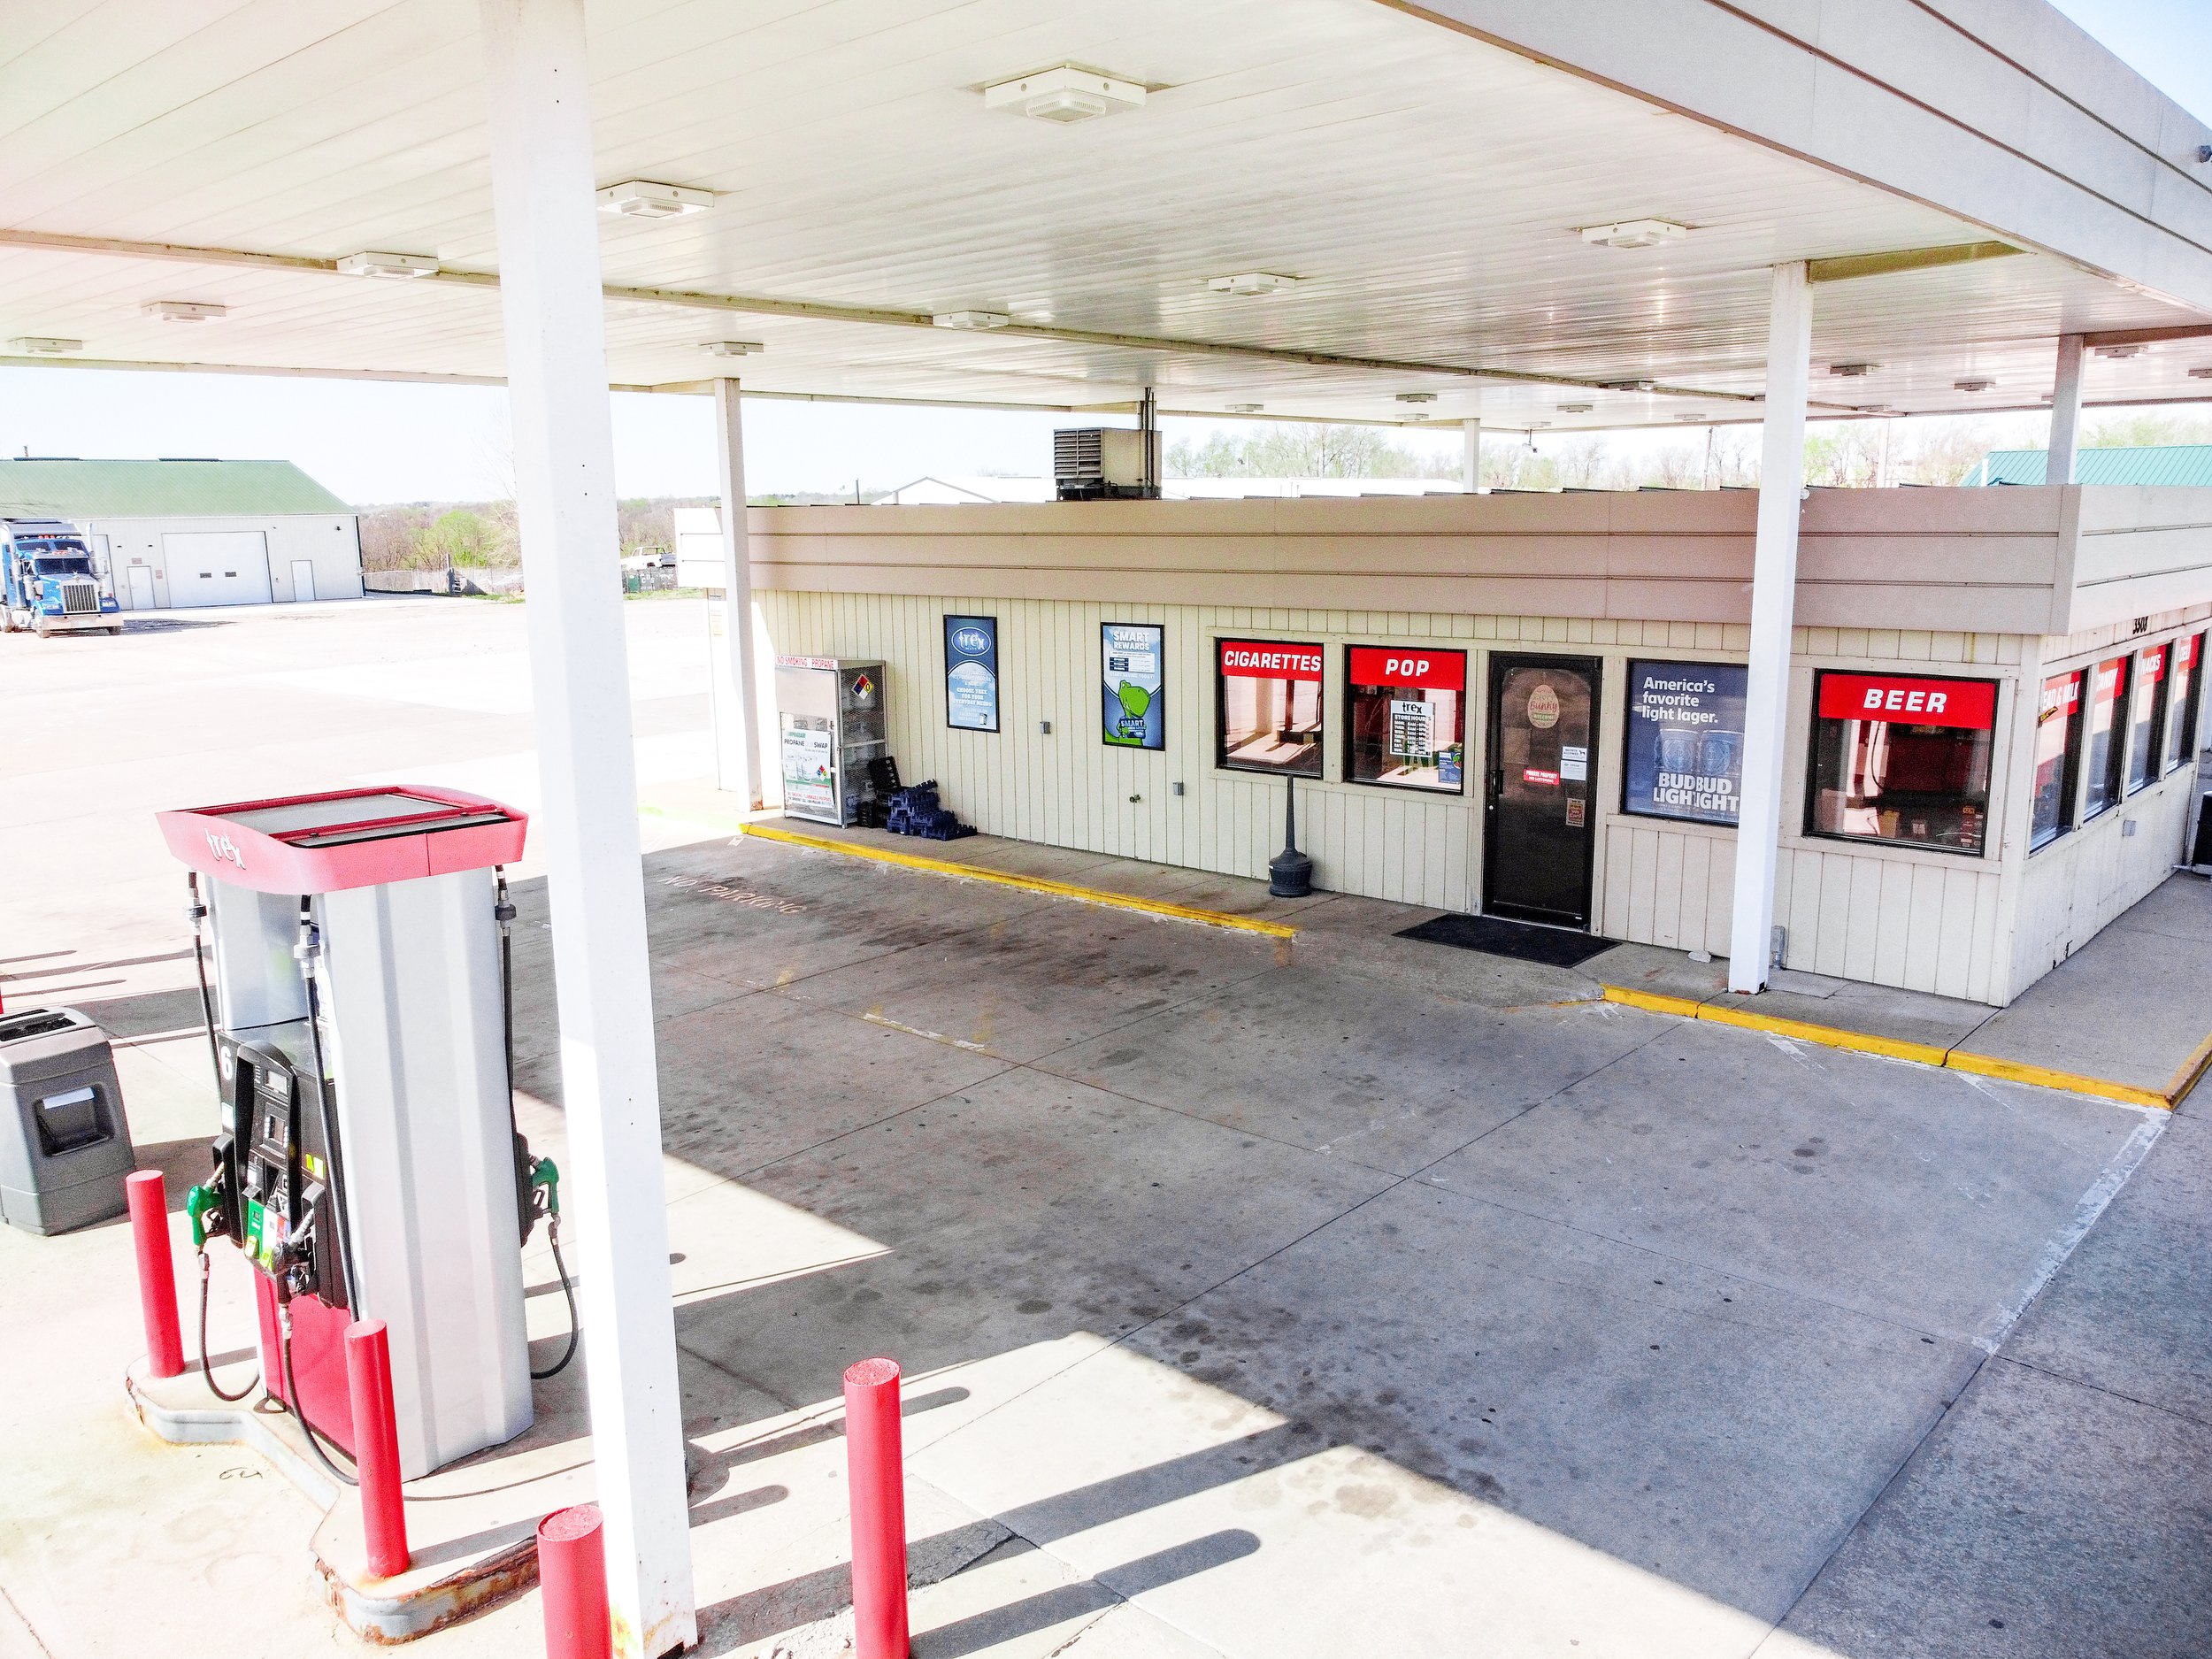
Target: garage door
<point>217,567</point>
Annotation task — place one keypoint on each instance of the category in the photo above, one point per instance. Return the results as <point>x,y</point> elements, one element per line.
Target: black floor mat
<point>1554,946</point>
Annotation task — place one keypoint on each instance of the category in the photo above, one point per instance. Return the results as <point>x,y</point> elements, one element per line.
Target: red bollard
<point>156,1272</point>
<point>376,1446</point>
<point>573,1579</point>
<point>874,1459</point>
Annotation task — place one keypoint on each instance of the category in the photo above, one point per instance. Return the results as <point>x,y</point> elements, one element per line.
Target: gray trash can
<point>64,1145</point>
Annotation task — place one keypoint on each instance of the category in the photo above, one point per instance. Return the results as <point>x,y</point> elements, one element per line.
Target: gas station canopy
<point>1531,214</point>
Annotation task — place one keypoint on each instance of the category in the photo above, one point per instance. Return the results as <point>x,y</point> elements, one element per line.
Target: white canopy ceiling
<point>1425,186</point>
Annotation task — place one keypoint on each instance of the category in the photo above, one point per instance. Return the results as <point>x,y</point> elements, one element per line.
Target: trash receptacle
<point>64,1145</point>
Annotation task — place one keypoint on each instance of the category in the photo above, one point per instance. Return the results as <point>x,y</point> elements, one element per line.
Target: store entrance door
<point>1540,829</point>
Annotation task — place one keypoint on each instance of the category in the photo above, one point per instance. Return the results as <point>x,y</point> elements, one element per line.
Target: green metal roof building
<point>2167,464</point>
<point>182,533</point>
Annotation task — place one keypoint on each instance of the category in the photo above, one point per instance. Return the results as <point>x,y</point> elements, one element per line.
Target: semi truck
<point>48,584</point>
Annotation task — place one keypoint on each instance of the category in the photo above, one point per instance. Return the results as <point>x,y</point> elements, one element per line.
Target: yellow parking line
<point>1028,884</point>
<point>1922,1053</point>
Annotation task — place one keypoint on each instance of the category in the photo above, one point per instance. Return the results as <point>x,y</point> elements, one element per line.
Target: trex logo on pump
<point>224,849</point>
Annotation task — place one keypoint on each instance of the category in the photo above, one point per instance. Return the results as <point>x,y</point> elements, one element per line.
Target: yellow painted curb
<point>1921,1053</point>
<point>1028,884</point>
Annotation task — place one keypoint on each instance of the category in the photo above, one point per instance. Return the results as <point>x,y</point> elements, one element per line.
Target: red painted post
<point>156,1272</point>
<point>376,1446</point>
<point>573,1583</point>
<point>874,1460</point>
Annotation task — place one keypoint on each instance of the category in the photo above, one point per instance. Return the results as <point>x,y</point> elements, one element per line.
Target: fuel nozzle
<point>209,1212</point>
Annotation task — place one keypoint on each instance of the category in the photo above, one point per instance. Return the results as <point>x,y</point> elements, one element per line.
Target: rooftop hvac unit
<point>1106,463</point>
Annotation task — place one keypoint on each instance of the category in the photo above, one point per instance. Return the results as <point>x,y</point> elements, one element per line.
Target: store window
<point>2057,757</point>
<point>1268,695</point>
<point>2182,697</point>
<point>1406,716</point>
<point>1902,759</point>
<point>2147,716</point>
<point>2102,757</point>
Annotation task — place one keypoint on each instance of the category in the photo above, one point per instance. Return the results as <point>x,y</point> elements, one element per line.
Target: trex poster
<point>1130,711</point>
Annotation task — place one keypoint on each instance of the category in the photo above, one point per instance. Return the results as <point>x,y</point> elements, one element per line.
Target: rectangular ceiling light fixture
<point>640,198</point>
<point>1244,409</point>
<point>734,348</point>
<point>184,311</point>
<point>1576,408</point>
<point>1976,385</point>
<point>388,267</point>
<point>972,320</point>
<point>1416,397</point>
<point>1635,232</point>
<point>1064,93</point>
<point>1852,370</point>
<point>1252,282</point>
<point>44,345</point>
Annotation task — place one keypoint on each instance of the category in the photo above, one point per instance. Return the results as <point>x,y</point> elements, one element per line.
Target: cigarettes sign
<point>1270,659</point>
<point>1969,704</point>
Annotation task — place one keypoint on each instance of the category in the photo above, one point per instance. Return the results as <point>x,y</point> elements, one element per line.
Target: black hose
<point>292,1403</point>
<point>334,1162</point>
<point>568,1290</point>
<point>206,1370</point>
<point>197,911</point>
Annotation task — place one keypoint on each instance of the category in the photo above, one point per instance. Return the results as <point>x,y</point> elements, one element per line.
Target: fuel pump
<point>367,1162</point>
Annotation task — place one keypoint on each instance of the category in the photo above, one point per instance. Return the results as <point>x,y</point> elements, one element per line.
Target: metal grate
<point>1078,455</point>
<point>81,598</point>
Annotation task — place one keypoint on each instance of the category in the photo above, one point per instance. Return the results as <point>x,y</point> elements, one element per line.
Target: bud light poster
<point>971,673</point>
<point>1685,741</point>
<point>1132,715</point>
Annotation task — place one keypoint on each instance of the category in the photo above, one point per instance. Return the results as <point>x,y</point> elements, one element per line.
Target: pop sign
<point>1409,665</point>
<point>1969,704</point>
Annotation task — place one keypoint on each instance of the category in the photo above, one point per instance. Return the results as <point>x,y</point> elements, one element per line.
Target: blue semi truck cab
<point>48,584</point>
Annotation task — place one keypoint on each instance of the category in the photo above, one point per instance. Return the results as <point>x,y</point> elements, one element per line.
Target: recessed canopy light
<point>2117,352</point>
<point>1973,385</point>
<point>388,266</point>
<point>1245,409</point>
<point>184,311</point>
<point>1576,408</point>
<point>734,348</point>
<point>44,345</point>
<point>640,198</point>
<point>972,320</point>
<point>1852,370</point>
<point>1416,397</point>
<point>1252,282</point>
<point>1635,232</point>
<point>1064,93</point>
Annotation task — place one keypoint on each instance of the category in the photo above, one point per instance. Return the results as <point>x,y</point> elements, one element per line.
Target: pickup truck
<point>47,582</point>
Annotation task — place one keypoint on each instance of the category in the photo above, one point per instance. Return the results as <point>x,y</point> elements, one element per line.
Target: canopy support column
<point>736,706</point>
<point>543,187</point>
<point>1773,609</point>
<point>2058,466</point>
<point>1471,456</point>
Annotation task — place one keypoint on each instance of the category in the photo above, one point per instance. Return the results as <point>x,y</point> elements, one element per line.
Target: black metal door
<point>1539,825</point>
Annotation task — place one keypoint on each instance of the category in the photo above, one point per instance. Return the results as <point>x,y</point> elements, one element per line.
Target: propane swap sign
<point>1685,756</point>
<point>971,673</point>
<point>1130,714</point>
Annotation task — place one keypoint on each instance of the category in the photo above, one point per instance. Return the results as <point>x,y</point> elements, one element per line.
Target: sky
<point>374,442</point>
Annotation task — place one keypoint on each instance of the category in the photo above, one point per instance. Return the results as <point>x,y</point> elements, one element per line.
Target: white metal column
<point>1471,456</point>
<point>736,740</point>
<point>1773,607</point>
<point>2058,466</point>
<point>542,181</point>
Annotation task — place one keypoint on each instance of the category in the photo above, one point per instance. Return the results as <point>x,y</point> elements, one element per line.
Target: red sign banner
<point>1270,659</point>
<point>1968,704</point>
<point>1409,665</point>
<point>2154,660</point>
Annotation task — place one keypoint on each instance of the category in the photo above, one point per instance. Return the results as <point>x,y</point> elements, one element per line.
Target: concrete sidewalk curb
<point>1030,884</point>
<point>1955,1059</point>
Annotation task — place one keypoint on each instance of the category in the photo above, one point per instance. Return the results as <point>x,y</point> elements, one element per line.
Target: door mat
<point>1554,947</point>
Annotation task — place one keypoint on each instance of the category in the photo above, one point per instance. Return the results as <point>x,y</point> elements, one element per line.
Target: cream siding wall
<point>330,541</point>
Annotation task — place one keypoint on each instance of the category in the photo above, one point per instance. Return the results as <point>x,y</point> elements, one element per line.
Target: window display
<point>2182,700</point>
<point>1685,756</point>
<point>1406,716</point>
<point>2147,716</point>
<point>2057,757</point>
<point>1268,706</point>
<point>2108,693</point>
<point>1902,759</point>
<point>1130,715</point>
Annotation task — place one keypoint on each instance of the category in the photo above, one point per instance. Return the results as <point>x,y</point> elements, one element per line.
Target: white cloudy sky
<point>393,443</point>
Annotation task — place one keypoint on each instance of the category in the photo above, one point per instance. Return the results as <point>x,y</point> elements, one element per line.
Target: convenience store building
<point>1533,705</point>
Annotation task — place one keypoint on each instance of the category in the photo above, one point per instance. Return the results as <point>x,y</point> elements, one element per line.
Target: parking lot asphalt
<point>1260,1296</point>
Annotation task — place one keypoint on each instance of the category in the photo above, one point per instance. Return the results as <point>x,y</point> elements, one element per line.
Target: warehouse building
<point>172,535</point>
